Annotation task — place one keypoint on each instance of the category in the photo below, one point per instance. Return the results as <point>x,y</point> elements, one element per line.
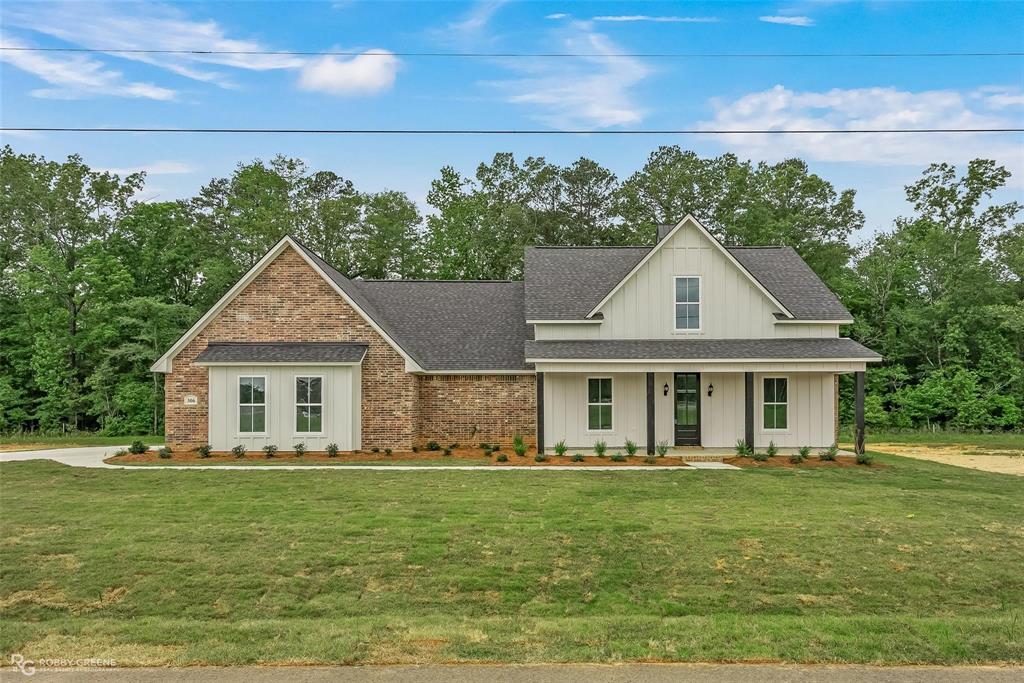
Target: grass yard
<point>36,442</point>
<point>911,563</point>
<point>1000,440</point>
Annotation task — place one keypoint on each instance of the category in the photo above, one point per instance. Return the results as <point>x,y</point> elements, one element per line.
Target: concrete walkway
<point>544,673</point>
<point>93,456</point>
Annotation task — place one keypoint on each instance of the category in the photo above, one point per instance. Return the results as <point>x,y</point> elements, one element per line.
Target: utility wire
<point>647,55</point>
<point>506,131</point>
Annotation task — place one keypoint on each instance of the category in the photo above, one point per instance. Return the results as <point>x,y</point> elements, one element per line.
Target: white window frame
<point>586,388</point>
<point>238,405</point>
<point>784,430</point>
<point>295,407</point>
<point>699,302</point>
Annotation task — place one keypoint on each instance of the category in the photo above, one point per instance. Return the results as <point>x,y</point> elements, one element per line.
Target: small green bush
<point>864,459</point>
<point>650,460</point>
<point>204,450</point>
<point>137,447</point>
<point>805,452</point>
<point>599,448</point>
<point>502,457</point>
<point>164,452</point>
<point>447,452</point>
<point>540,457</point>
<point>797,457</point>
<point>453,446</point>
<point>332,450</point>
<point>495,447</point>
<point>520,449</point>
<point>561,448</point>
<point>742,449</point>
<point>300,449</point>
<point>488,452</point>
<point>415,449</point>
<point>618,457</point>
<point>484,446</point>
<point>630,447</point>
<point>270,450</point>
<point>238,451</point>
<point>121,451</point>
<point>773,450</point>
<point>375,449</point>
<point>517,442</point>
<point>662,448</point>
<point>829,454</point>
<point>433,446</point>
<point>759,456</point>
<point>387,451</point>
<point>577,457</point>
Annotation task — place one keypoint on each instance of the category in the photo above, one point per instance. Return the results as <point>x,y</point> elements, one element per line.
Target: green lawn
<point>39,441</point>
<point>1014,440</point>
<point>917,562</point>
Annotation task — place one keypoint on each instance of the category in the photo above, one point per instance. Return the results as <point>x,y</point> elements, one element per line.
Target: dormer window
<point>687,306</point>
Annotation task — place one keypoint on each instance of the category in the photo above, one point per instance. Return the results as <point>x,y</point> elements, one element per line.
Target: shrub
<point>517,441</point>
<point>238,451</point>
<point>864,459</point>
<point>488,452</point>
<point>662,448</point>
<point>300,449</point>
<point>560,448</point>
<point>121,451</point>
<point>332,450</point>
<point>742,449</point>
<point>495,447</point>
<point>540,457</point>
<point>630,447</point>
<point>453,446</point>
<point>577,457</point>
<point>433,446</point>
<point>797,457</point>
<point>447,451</point>
<point>650,460</point>
<point>375,449</point>
<point>502,457</point>
<point>164,452</point>
<point>760,457</point>
<point>773,450</point>
<point>618,457</point>
<point>387,451</point>
<point>485,446</point>
<point>599,448</point>
<point>830,453</point>
<point>204,450</point>
<point>520,449</point>
<point>415,449</point>
<point>270,450</point>
<point>137,447</point>
<point>805,452</point>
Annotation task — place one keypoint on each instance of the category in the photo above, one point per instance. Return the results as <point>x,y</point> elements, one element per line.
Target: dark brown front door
<point>687,409</point>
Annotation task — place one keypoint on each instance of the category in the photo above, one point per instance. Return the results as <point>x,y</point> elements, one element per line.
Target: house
<point>687,341</point>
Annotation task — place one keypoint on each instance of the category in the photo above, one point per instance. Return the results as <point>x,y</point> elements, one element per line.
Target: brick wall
<point>289,301</point>
<point>468,409</point>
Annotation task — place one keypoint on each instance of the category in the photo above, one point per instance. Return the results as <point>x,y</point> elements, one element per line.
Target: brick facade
<point>469,409</point>
<point>289,301</point>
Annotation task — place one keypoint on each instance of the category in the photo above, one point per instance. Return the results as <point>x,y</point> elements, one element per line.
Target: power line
<point>506,131</point>
<point>459,55</point>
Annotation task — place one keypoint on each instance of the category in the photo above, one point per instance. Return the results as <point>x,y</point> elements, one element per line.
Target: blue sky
<point>378,89</point>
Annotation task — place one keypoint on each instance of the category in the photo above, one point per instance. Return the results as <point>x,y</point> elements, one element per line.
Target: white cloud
<point>155,168</point>
<point>1000,97</point>
<point>135,26</point>
<point>657,19</point>
<point>477,19</point>
<point>578,92</point>
<point>858,109</point>
<point>788,21</point>
<point>77,76</point>
<point>366,74</point>
<point>557,15</point>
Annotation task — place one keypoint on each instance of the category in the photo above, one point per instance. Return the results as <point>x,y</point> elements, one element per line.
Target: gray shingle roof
<point>282,352</point>
<point>448,325</point>
<point>565,283</point>
<point>700,349</point>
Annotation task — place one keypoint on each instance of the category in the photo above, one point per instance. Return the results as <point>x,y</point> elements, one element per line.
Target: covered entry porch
<point>692,402</point>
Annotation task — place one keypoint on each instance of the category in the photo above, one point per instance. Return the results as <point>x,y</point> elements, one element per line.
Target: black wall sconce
<point>711,390</point>
<point>665,389</point>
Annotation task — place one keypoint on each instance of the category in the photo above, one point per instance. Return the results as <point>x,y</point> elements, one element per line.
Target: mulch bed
<point>458,456</point>
<point>813,462</point>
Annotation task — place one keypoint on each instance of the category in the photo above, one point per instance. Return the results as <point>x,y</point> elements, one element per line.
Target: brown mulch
<point>813,462</point>
<point>398,458</point>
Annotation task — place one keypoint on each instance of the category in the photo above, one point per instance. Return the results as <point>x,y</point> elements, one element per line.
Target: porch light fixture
<point>711,390</point>
<point>665,389</point>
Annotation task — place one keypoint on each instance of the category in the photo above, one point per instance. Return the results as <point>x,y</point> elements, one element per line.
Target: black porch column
<point>748,396</point>
<point>650,413</point>
<point>858,409</point>
<point>540,412</point>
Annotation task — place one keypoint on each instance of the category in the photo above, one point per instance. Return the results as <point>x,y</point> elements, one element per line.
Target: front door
<point>688,409</point>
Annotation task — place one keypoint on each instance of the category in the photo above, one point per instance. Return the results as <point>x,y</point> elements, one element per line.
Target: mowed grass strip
<point>913,563</point>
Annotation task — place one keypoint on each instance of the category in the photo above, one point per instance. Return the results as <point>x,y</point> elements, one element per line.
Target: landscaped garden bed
<point>812,462</point>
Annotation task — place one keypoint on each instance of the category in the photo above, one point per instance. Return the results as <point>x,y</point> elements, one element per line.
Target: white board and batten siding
<point>341,395</point>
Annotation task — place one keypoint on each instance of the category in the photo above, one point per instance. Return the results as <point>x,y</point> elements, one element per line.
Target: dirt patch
<point>1000,460</point>
<point>458,456</point>
<point>813,462</point>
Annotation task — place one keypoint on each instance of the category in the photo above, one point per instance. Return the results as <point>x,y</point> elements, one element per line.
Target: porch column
<point>858,409</point>
<point>540,412</point>
<point>650,413</point>
<point>748,396</point>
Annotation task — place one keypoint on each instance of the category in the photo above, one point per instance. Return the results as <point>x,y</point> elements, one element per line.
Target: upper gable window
<point>687,306</point>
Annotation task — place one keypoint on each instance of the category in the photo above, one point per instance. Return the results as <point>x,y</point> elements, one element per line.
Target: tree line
<point>95,284</point>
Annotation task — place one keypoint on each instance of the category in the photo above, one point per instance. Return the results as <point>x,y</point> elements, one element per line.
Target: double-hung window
<point>252,405</point>
<point>776,403</point>
<point>599,404</point>
<point>687,304</point>
<point>309,405</point>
